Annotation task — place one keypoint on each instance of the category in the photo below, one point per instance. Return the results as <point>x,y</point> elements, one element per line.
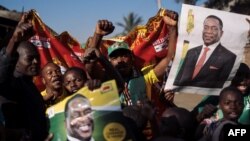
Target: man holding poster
<point>210,64</point>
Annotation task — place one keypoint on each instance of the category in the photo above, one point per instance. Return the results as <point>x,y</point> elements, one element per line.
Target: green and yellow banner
<point>109,122</point>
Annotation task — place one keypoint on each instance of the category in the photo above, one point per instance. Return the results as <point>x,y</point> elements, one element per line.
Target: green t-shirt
<point>245,116</point>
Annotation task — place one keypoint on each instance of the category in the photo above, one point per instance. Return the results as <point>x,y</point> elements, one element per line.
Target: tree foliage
<point>236,6</point>
<point>130,21</point>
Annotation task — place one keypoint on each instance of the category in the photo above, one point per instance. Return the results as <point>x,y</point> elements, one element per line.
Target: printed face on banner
<point>212,31</point>
<point>91,115</point>
<point>79,119</point>
<point>209,50</point>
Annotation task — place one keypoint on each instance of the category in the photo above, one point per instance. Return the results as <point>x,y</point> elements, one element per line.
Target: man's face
<point>52,76</point>
<point>122,61</point>
<point>80,121</point>
<point>73,81</point>
<point>28,62</point>
<point>212,31</point>
<point>231,106</point>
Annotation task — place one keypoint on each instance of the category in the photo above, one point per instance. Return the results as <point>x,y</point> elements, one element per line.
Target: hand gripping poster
<point>90,115</point>
<point>209,50</point>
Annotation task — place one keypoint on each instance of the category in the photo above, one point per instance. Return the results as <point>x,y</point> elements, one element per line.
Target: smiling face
<point>231,104</point>
<point>28,63</point>
<point>52,76</point>
<point>212,31</point>
<point>79,120</point>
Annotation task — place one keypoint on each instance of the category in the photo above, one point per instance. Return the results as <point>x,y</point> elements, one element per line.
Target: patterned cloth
<point>62,49</point>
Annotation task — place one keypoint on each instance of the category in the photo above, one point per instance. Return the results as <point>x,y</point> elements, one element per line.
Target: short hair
<point>26,44</point>
<point>229,89</point>
<point>217,18</point>
<point>66,108</point>
<point>50,62</point>
<point>78,70</point>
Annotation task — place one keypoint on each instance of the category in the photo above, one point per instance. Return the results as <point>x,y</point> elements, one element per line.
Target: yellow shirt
<point>52,101</point>
<point>150,79</point>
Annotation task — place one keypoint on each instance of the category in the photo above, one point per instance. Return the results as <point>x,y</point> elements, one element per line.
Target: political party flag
<point>67,40</point>
<point>148,42</point>
<point>62,49</point>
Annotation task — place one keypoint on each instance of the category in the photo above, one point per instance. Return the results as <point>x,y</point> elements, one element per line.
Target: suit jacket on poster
<point>213,73</point>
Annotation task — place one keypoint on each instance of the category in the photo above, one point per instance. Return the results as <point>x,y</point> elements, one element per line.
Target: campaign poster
<point>101,118</point>
<point>209,50</point>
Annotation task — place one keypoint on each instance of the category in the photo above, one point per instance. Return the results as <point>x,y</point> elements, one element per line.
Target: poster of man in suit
<point>209,50</point>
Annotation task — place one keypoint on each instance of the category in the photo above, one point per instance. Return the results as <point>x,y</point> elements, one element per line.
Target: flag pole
<point>159,4</point>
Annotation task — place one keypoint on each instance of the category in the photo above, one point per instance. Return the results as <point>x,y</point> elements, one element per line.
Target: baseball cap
<point>117,46</point>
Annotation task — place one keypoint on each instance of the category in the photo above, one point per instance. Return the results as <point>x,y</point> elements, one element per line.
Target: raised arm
<point>94,70</point>
<point>22,32</point>
<point>103,28</point>
<point>171,21</point>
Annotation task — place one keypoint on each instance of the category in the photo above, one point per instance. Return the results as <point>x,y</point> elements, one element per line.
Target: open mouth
<point>74,89</point>
<point>85,128</point>
<point>233,115</point>
<point>208,38</point>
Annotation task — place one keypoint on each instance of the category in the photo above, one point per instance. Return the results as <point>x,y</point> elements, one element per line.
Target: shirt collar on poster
<point>211,50</point>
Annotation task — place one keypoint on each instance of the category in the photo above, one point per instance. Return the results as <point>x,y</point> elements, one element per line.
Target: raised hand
<point>24,29</point>
<point>171,18</point>
<point>104,27</point>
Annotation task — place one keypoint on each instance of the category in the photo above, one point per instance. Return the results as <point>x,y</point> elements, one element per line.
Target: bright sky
<point>79,17</point>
